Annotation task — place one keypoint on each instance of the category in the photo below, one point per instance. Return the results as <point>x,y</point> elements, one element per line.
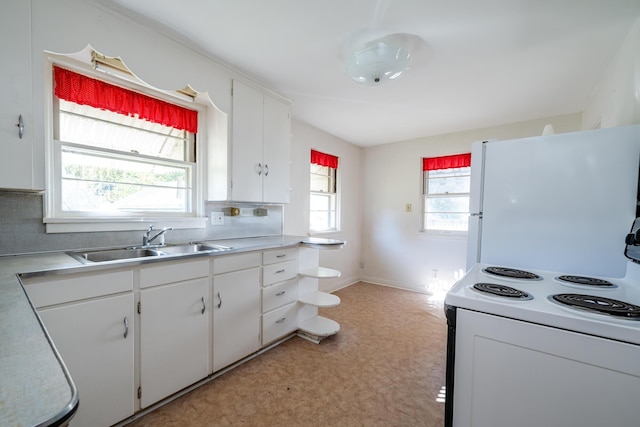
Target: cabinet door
<point>174,338</point>
<point>16,169</point>
<point>236,316</point>
<point>247,165</point>
<point>277,147</point>
<point>93,341</point>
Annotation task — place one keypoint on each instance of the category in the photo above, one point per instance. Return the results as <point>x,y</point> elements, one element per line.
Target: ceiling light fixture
<point>378,62</point>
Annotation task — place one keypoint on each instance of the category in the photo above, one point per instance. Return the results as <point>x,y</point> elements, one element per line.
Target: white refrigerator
<point>562,202</point>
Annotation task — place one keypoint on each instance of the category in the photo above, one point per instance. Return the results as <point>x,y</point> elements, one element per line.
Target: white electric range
<point>604,307</point>
<point>532,347</point>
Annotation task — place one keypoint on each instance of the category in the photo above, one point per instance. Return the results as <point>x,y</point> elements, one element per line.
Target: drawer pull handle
<point>281,256</point>
<point>281,320</point>
<point>281,271</point>
<point>126,327</point>
<point>20,126</point>
<point>281,293</point>
<point>204,306</point>
<point>220,298</point>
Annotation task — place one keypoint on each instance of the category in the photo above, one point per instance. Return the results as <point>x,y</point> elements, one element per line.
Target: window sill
<point>84,225</point>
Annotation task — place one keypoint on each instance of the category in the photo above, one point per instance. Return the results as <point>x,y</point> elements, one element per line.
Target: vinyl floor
<point>385,367</point>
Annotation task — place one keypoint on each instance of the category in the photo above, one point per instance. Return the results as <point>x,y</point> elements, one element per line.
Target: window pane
<point>319,170</point>
<point>323,202</point>
<point>444,185</point>
<point>90,126</point>
<point>320,183</point>
<point>446,221</point>
<point>94,182</point>
<point>447,204</point>
<point>321,221</point>
<point>448,181</point>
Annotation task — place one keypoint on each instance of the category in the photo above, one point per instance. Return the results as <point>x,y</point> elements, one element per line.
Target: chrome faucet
<point>147,239</point>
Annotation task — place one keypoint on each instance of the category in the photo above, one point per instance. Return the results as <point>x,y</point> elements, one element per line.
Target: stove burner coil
<point>588,281</point>
<point>512,273</point>
<point>599,305</point>
<point>501,290</point>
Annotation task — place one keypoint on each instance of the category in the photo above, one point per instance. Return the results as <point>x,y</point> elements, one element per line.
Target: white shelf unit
<point>312,326</point>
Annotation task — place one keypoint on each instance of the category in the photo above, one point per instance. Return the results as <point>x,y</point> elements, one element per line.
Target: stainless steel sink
<point>105,255</point>
<point>193,248</point>
<point>114,254</point>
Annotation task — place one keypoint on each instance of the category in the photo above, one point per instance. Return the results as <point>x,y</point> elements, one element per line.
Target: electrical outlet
<point>408,207</point>
<point>217,218</point>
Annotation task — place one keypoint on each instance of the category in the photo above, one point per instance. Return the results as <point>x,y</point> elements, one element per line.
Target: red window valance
<point>84,90</point>
<point>446,162</point>
<point>322,159</point>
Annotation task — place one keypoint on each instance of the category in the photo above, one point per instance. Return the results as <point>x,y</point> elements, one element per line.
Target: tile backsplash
<point>22,229</point>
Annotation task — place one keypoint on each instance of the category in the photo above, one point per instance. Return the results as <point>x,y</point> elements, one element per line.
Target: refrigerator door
<point>561,202</point>
<point>474,234</point>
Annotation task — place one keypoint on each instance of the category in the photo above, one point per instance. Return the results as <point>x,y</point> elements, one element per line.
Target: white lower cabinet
<point>90,318</point>
<point>174,328</point>
<point>236,308</point>
<point>132,337</point>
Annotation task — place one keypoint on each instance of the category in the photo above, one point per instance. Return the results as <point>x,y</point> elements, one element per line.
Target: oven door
<point>511,373</point>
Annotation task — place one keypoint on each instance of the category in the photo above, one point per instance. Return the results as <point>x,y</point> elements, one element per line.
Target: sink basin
<point>192,248</point>
<point>104,255</point>
<point>114,254</point>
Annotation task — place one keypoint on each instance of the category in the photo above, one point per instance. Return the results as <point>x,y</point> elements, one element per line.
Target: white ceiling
<point>479,63</point>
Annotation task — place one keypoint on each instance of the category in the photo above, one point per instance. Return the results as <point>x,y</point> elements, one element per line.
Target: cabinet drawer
<point>44,292</point>
<point>280,322</point>
<point>172,272</point>
<point>280,294</point>
<point>280,272</point>
<point>227,263</point>
<point>280,255</point>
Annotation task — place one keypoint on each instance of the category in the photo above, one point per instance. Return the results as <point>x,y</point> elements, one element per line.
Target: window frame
<point>58,221</point>
<point>334,197</point>
<point>426,196</point>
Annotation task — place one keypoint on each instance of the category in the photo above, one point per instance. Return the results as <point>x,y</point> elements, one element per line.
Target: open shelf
<point>320,299</point>
<point>323,244</point>
<point>320,326</point>
<point>320,273</point>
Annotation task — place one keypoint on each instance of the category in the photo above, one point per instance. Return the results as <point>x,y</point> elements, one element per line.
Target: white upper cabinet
<point>16,159</point>
<point>259,152</point>
<point>277,150</point>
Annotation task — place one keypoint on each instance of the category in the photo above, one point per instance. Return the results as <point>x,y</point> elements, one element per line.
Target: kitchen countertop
<point>35,387</point>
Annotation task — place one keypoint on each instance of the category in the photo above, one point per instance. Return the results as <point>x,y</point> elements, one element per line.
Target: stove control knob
<point>633,238</point>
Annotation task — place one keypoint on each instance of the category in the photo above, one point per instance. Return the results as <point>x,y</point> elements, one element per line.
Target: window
<point>323,200</point>
<point>120,153</point>
<point>446,185</point>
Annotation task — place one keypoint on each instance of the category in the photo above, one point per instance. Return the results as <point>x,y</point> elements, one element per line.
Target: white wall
<point>296,213</point>
<point>616,99</point>
<point>394,251</point>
